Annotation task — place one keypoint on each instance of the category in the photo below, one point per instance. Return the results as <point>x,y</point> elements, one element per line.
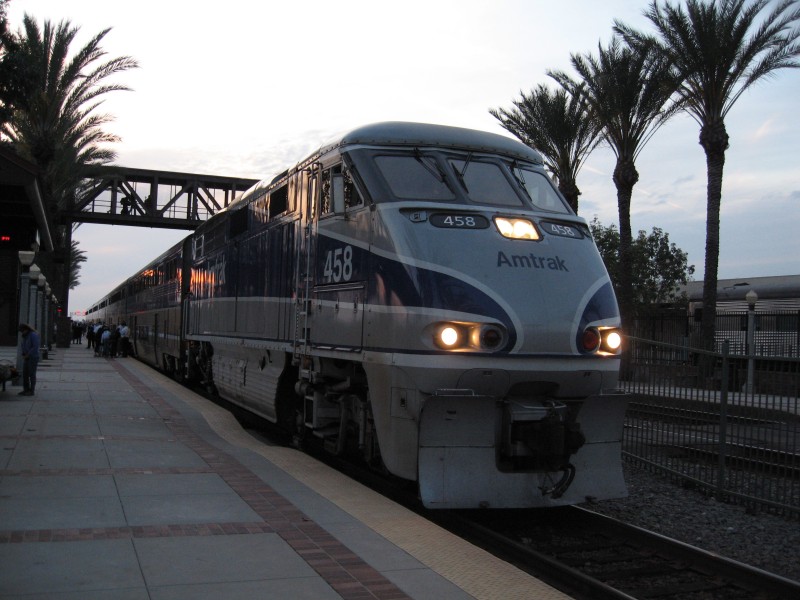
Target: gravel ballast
<point>654,503</point>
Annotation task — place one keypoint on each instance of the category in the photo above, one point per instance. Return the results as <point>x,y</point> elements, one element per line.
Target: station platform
<point>118,483</point>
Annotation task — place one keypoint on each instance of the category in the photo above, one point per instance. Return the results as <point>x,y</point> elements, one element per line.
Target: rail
<point>726,423</point>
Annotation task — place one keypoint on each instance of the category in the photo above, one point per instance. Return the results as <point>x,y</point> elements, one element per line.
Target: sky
<point>244,88</point>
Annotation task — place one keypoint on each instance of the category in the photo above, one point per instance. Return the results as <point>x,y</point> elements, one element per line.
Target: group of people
<point>78,329</point>
<point>109,341</point>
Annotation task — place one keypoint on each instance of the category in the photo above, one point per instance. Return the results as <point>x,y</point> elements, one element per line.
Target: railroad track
<point>591,556</point>
<point>582,553</point>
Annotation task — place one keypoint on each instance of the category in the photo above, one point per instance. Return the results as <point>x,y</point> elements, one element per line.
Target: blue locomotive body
<point>418,294</point>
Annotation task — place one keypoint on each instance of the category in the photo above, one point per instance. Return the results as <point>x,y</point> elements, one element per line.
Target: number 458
<point>338,265</point>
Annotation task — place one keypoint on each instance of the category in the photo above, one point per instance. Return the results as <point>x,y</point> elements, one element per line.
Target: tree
<point>556,124</point>
<point>717,50</point>
<point>58,126</point>
<point>627,90</point>
<point>15,71</point>
<point>659,266</point>
<point>76,258</point>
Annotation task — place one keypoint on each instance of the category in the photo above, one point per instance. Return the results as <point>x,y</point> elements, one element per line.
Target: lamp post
<point>48,309</point>
<point>33,286</point>
<point>40,303</point>
<point>46,320</point>
<point>26,260</point>
<point>751,297</point>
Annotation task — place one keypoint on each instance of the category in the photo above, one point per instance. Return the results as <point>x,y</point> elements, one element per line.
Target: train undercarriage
<point>449,441</point>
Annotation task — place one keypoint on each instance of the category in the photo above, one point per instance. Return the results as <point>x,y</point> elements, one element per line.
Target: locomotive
<point>418,295</point>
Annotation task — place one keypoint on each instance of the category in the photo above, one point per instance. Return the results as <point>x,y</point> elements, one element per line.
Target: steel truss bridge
<point>145,198</point>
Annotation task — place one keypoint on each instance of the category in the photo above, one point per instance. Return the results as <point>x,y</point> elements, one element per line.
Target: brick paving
<point>349,575</point>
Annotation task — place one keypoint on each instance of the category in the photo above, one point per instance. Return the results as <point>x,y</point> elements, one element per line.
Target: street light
<point>26,257</point>
<point>751,298</point>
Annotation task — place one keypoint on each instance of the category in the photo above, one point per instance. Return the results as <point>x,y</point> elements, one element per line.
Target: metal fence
<point>774,333</point>
<point>726,423</point>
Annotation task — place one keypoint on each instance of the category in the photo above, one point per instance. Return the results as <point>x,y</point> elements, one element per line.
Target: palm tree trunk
<point>570,191</point>
<point>714,139</point>
<point>625,177</point>
<point>63,335</point>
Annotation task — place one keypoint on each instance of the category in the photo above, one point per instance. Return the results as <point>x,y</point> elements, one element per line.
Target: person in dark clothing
<point>30,357</point>
<point>124,339</point>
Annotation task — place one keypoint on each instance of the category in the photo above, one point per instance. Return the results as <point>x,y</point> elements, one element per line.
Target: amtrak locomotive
<point>418,294</point>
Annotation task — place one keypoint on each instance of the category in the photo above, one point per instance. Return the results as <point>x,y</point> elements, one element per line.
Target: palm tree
<point>57,127</point>
<point>717,50</point>
<point>557,125</point>
<point>15,73</point>
<point>627,91</point>
<point>76,257</point>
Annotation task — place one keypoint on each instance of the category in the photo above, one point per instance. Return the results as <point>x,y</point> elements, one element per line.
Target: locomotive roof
<point>408,134</point>
<point>399,133</point>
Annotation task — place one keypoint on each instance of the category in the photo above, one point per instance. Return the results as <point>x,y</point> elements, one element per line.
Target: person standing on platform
<point>30,358</point>
<point>98,332</point>
<point>124,338</point>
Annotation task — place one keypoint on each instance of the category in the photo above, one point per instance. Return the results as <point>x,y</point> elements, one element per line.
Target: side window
<point>326,203</point>
<point>199,243</point>
<point>238,222</point>
<point>278,201</point>
<point>352,197</point>
<point>260,209</point>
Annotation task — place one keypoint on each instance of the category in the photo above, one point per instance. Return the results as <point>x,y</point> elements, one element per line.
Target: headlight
<point>482,337</point>
<point>612,340</point>
<point>448,337</point>
<point>516,229</point>
<point>603,340</point>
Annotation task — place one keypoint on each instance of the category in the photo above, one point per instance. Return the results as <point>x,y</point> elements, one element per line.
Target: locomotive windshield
<point>539,189</point>
<point>414,177</point>
<point>462,178</point>
<point>485,183</point>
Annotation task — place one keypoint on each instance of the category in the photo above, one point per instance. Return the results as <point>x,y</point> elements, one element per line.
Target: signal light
<point>591,340</point>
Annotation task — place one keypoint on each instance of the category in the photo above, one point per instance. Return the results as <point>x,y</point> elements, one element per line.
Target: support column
<point>40,298</point>
<point>33,295</point>
<point>48,317</point>
<point>26,260</point>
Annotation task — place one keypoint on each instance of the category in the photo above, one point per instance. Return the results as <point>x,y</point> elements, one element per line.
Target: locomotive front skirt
<point>418,296</point>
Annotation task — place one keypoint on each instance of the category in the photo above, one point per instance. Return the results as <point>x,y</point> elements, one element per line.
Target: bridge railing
<point>726,424</point>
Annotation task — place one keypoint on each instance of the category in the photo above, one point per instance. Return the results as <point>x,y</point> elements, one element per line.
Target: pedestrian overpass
<point>146,198</point>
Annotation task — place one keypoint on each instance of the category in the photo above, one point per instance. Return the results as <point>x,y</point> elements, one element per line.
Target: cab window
<point>414,177</point>
<point>540,191</point>
<point>485,183</point>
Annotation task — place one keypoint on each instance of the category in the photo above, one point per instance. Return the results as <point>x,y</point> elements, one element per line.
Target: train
<point>416,296</point>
